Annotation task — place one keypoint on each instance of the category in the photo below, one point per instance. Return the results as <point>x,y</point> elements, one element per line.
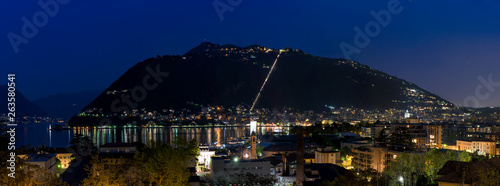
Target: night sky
<point>442,46</point>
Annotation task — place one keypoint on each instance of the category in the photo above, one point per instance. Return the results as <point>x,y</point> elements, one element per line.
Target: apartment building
<point>377,158</point>
<point>483,146</point>
<point>327,155</point>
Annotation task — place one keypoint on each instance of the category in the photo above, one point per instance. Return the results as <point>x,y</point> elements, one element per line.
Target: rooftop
<point>453,171</point>
<point>476,140</point>
<point>39,157</point>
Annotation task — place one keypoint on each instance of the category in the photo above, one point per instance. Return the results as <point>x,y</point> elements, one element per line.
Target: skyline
<point>89,46</point>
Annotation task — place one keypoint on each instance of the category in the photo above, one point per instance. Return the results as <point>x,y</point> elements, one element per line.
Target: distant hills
<point>68,104</point>
<point>228,75</point>
<point>24,107</point>
<point>57,106</point>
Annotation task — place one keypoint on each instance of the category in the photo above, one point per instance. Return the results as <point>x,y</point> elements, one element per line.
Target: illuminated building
<point>205,156</point>
<point>327,155</point>
<point>377,158</point>
<point>422,135</point>
<point>223,167</point>
<point>483,147</point>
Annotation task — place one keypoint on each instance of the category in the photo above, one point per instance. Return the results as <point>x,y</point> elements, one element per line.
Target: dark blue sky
<point>442,46</point>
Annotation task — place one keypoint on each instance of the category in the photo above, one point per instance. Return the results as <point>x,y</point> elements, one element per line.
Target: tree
<point>382,137</point>
<point>193,148</point>
<point>242,178</point>
<point>462,156</point>
<point>259,149</point>
<point>401,136</point>
<point>434,161</point>
<point>344,151</point>
<point>162,164</point>
<point>104,173</point>
<point>26,174</point>
<point>82,145</point>
<point>38,176</point>
<point>488,176</point>
<point>422,167</point>
<point>477,157</point>
<point>348,179</point>
<point>407,166</point>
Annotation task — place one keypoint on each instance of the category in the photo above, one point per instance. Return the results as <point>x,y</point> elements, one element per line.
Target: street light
<point>401,179</point>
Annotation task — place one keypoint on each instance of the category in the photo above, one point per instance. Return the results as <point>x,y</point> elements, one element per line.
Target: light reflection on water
<point>204,135</point>
<point>39,134</point>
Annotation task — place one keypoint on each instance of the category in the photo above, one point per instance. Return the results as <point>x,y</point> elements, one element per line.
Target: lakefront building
<point>482,146</point>
<point>205,156</point>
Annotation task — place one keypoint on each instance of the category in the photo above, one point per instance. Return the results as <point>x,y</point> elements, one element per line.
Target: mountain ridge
<point>24,107</point>
<point>66,105</point>
<point>229,75</point>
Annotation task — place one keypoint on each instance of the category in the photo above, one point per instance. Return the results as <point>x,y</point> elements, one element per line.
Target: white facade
<point>223,167</point>
<point>205,156</point>
<point>483,147</point>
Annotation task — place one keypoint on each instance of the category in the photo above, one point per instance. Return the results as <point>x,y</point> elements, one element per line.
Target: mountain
<point>229,75</point>
<point>24,107</point>
<point>68,104</point>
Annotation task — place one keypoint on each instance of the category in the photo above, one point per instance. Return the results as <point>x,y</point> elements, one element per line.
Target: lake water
<point>40,134</point>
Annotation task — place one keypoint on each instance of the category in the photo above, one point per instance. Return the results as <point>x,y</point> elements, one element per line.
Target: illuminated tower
<point>254,146</point>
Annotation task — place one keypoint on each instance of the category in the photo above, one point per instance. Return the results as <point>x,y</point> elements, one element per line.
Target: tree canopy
<point>422,168</point>
<point>153,164</point>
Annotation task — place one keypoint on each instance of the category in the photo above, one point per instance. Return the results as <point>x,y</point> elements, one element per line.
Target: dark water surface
<point>40,134</point>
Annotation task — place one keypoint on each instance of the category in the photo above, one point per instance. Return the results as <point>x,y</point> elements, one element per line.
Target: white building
<point>205,156</point>
<point>482,146</point>
<point>223,167</point>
